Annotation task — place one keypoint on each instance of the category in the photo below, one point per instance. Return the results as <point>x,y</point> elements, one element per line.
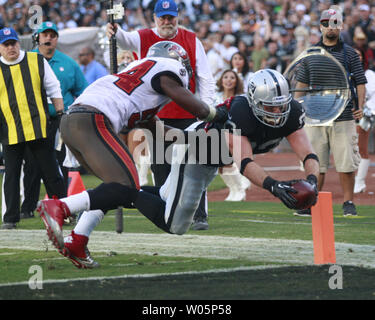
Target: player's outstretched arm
<point>187,100</point>
<point>240,148</point>
<point>301,145</point>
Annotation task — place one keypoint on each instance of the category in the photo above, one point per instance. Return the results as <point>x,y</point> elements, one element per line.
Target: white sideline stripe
<point>150,275</point>
<point>261,250</point>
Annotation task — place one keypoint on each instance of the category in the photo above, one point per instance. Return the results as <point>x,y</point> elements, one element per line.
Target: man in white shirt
<point>227,49</point>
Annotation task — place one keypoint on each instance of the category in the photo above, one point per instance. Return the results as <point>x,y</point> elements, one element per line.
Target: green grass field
<point>252,250</point>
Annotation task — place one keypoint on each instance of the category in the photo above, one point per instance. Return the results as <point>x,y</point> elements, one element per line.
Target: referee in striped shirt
<point>341,138</point>
<point>26,79</point>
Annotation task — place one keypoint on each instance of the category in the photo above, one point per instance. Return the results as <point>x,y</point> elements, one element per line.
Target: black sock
<point>153,208</point>
<point>109,196</point>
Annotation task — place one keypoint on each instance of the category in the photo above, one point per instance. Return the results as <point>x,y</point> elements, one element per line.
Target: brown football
<point>305,196</point>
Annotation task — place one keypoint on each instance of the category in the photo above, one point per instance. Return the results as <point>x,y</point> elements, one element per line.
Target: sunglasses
<point>331,23</point>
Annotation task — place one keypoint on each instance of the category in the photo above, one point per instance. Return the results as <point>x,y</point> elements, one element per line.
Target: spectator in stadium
<point>27,80</point>
<point>361,43</point>
<point>259,54</point>
<point>91,68</point>
<point>285,49</point>
<point>167,28</point>
<point>229,85</point>
<point>91,127</point>
<point>314,36</point>
<point>364,129</point>
<point>274,61</point>
<point>124,57</point>
<point>227,48</point>
<point>216,62</point>
<point>341,138</point>
<point>366,17</point>
<point>239,63</point>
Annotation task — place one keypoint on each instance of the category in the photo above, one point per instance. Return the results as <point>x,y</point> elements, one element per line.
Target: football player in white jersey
<point>90,130</point>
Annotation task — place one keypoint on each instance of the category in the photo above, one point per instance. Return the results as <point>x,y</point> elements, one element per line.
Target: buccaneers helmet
<point>172,50</point>
<point>269,97</point>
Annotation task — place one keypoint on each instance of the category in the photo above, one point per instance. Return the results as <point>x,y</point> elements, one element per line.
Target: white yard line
<point>297,252</point>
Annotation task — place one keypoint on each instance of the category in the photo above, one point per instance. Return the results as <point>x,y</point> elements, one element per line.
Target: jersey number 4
<point>132,79</point>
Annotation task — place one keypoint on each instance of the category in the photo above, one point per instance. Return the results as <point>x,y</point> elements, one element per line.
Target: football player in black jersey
<point>261,118</point>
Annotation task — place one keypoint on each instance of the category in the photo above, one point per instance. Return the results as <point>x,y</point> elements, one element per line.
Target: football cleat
<point>53,212</point>
<point>75,249</point>
<point>349,209</point>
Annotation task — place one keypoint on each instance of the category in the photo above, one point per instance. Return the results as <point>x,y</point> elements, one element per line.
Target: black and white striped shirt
<point>355,68</point>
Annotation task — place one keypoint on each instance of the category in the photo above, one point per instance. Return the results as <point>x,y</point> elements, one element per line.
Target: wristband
<point>268,183</point>
<point>310,156</point>
<point>312,178</point>
<point>211,115</point>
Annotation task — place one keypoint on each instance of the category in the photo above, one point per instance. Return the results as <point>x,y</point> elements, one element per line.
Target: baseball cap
<point>364,7</point>
<point>8,34</point>
<point>229,38</point>
<point>283,32</point>
<point>166,7</point>
<point>300,7</point>
<point>47,25</point>
<point>330,14</point>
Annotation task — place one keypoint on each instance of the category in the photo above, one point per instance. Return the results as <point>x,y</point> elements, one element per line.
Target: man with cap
<point>366,16</point>
<point>167,28</point>
<point>341,138</point>
<point>26,80</point>
<point>72,83</point>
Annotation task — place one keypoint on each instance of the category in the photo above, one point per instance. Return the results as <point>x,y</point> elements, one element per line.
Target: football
<point>305,196</point>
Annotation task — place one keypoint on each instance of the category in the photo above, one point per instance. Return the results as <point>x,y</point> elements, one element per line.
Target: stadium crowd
<point>269,32</point>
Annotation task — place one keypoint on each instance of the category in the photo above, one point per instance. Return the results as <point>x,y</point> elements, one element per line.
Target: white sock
<point>88,221</point>
<point>78,202</point>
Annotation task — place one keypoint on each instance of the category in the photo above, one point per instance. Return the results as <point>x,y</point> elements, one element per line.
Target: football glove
<point>222,116</point>
<point>281,190</point>
<point>222,110</point>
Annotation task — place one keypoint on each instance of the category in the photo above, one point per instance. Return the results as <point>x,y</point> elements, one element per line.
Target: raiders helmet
<point>269,97</point>
<point>172,50</point>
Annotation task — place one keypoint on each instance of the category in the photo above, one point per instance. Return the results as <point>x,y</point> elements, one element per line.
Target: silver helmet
<point>269,97</point>
<point>170,49</point>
